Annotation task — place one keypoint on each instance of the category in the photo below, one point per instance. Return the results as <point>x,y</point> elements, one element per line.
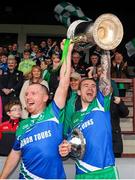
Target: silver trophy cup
<point>78,143</point>
<point>106,32</point>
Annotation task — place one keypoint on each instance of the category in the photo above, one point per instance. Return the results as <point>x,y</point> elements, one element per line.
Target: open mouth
<point>30,104</point>
<point>89,94</point>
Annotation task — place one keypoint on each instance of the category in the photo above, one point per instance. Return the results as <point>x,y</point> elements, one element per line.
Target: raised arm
<point>105,79</point>
<point>61,92</point>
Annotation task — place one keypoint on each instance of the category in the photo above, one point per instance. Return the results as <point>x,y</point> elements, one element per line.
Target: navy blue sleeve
<point>56,109</point>
<point>16,145</point>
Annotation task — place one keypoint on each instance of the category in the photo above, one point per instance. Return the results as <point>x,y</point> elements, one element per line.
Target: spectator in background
<point>31,45</point>
<point>94,61</point>
<point>27,47</point>
<point>49,43</point>
<point>36,77</point>
<point>43,47</point>
<point>34,51</point>
<point>119,70</point>
<point>77,64</point>
<point>10,49</point>
<point>44,67</point>
<point>50,47</point>
<point>81,51</point>
<point>118,110</point>
<point>39,57</point>
<point>9,127</point>
<point>48,61</point>
<point>52,76</point>
<point>72,101</point>
<point>26,64</point>
<point>16,53</point>
<point>5,51</point>
<point>55,50</point>
<point>10,83</point>
<point>3,64</point>
<point>119,67</point>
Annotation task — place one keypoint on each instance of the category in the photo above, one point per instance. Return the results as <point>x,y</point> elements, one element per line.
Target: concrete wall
<point>126,168</point>
<point>37,30</point>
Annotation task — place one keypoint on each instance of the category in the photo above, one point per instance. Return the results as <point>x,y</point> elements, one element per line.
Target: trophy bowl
<point>106,32</point>
<point>78,143</point>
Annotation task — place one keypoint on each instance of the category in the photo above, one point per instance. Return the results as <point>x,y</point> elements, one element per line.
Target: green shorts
<point>107,173</point>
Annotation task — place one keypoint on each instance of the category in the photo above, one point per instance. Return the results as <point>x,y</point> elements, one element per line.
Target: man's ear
<point>46,97</point>
<point>79,92</point>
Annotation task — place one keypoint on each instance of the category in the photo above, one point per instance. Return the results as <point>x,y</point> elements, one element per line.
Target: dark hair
<point>84,79</point>
<point>11,103</point>
<point>95,54</point>
<point>36,67</point>
<point>4,54</point>
<point>57,54</point>
<point>26,50</point>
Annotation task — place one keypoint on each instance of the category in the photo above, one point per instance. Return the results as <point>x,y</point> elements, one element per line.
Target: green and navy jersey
<point>38,140</point>
<point>96,127</point>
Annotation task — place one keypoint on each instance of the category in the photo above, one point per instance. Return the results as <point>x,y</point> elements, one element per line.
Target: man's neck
<point>84,105</point>
<point>35,80</point>
<point>11,70</point>
<point>35,115</point>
